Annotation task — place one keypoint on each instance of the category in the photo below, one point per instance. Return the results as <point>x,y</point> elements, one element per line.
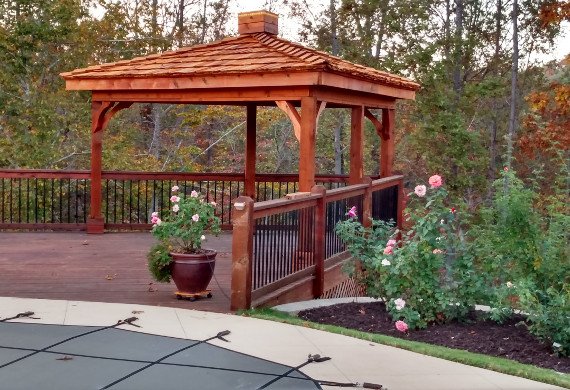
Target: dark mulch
<point>507,340</point>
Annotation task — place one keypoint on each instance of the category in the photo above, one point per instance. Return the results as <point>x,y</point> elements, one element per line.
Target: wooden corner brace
<point>102,112</point>
<point>289,109</point>
<point>382,131</point>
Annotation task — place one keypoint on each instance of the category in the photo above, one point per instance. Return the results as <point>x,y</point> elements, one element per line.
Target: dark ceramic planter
<point>192,272</point>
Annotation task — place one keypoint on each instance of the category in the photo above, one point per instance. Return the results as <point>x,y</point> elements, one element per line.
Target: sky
<point>288,27</point>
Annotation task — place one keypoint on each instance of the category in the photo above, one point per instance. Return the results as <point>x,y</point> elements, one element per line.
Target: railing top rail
<point>384,182</point>
<point>138,175</point>
<point>43,174</point>
<point>277,206</point>
<point>189,176</point>
<point>346,192</point>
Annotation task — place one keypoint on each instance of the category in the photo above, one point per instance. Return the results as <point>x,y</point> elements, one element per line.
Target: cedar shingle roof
<point>245,54</point>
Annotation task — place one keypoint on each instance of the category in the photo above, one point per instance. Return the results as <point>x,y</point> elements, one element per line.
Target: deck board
<point>75,266</point>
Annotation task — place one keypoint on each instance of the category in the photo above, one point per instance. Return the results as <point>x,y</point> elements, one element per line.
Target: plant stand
<point>193,296</point>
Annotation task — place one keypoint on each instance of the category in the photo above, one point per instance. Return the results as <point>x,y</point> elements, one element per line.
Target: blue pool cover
<point>62,357</point>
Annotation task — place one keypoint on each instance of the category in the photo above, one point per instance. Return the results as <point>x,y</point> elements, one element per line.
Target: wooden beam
<point>309,109</point>
<point>336,97</point>
<point>228,96</point>
<point>356,145</point>
<point>101,114</point>
<point>250,151</point>
<point>289,109</point>
<point>153,82</point>
<point>262,79</point>
<point>375,88</point>
<point>387,145</point>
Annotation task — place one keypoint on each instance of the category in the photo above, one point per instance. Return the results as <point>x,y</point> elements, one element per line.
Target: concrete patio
<point>352,360</point>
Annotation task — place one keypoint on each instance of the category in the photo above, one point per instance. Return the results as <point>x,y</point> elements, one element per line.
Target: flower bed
<point>511,339</point>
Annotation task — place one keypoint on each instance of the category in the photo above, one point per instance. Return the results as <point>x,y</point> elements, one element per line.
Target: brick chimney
<point>257,22</point>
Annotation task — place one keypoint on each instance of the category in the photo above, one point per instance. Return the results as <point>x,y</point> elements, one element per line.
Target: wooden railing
<point>287,249</point>
<point>56,200</point>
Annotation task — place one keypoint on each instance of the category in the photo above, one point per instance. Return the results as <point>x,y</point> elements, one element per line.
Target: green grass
<point>505,366</point>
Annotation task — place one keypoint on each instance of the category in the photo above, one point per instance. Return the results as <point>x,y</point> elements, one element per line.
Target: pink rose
<point>388,250</point>
<point>194,194</point>
<point>352,212</point>
<point>176,208</point>
<point>420,190</point>
<point>195,217</point>
<point>175,188</point>
<point>154,219</point>
<point>437,251</point>
<point>391,243</point>
<point>155,214</point>
<point>435,181</point>
<point>174,199</point>
<point>402,326</point>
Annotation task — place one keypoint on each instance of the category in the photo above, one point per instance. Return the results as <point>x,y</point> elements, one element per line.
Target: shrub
<point>428,268</point>
<point>521,245</point>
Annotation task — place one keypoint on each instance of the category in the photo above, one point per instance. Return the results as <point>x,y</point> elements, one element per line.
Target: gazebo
<point>255,68</point>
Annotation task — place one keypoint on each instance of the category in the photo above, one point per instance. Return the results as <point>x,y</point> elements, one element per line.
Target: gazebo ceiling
<point>256,58</point>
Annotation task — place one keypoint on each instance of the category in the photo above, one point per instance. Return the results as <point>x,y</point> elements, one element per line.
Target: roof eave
<point>263,80</point>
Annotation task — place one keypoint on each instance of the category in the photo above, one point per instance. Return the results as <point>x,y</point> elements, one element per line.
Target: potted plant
<point>179,254</point>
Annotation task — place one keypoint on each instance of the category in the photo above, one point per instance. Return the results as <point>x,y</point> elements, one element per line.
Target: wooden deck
<point>103,268</point>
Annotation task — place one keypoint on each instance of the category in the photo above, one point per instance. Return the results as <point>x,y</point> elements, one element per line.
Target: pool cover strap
<point>364,385</point>
<point>127,321</point>
<point>26,314</point>
<point>310,359</point>
<point>220,336</point>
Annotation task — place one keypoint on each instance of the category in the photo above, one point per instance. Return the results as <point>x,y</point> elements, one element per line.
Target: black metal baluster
<point>130,218</point>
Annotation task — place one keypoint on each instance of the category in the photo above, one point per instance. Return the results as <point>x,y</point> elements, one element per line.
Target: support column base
<point>95,226</point>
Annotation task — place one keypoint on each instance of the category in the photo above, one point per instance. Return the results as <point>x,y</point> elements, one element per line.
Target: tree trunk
<point>514,89</point>
<point>494,125</point>
<point>457,87</point>
<point>180,23</point>
<point>338,153</point>
<point>156,130</point>
<point>203,36</point>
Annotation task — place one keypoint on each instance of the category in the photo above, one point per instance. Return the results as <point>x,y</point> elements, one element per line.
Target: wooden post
<point>242,253</point>
<point>250,151</point>
<point>356,145</point>
<point>319,248</point>
<point>387,147</point>
<point>95,222</point>
<point>101,114</point>
<point>367,204</point>
<point>309,109</point>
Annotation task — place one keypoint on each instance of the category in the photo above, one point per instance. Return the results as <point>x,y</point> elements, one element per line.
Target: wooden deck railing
<point>56,200</point>
<point>287,249</point>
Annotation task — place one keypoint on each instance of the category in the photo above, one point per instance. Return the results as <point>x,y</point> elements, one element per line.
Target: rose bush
<point>427,275</point>
<point>182,230</point>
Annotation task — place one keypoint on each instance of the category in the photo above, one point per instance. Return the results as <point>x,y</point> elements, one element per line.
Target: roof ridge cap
<point>273,41</point>
<point>327,60</point>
